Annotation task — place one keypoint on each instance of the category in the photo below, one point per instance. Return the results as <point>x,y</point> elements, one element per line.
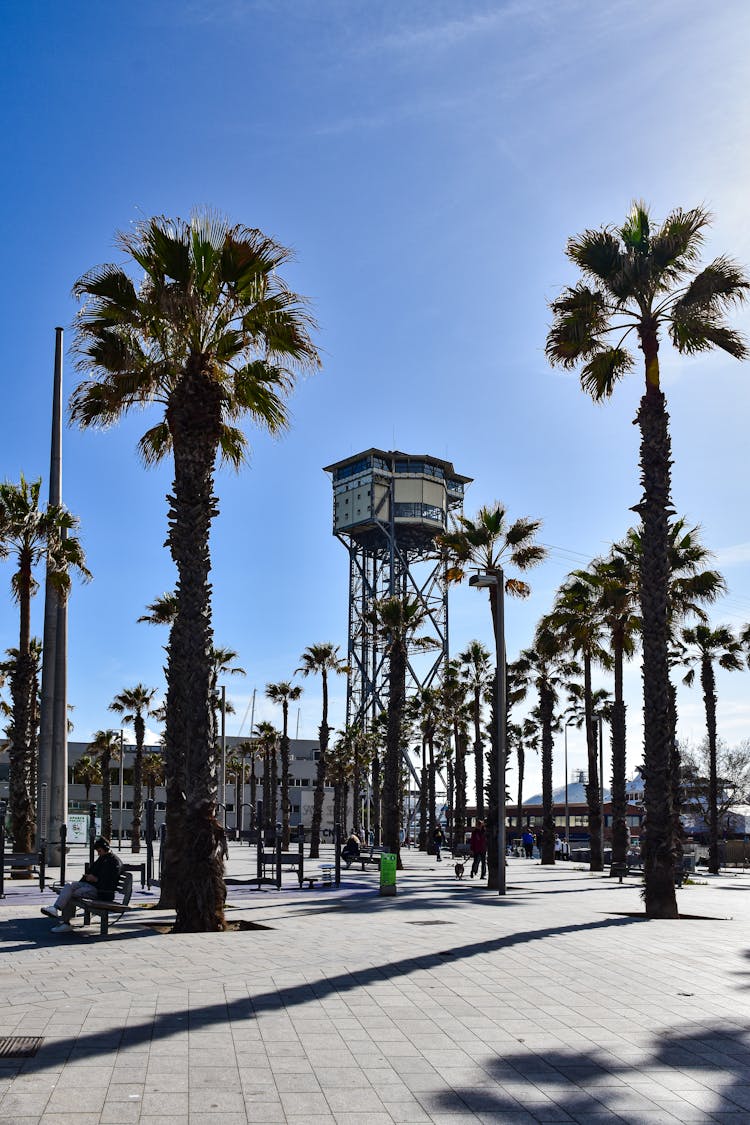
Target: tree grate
<point>19,1046</point>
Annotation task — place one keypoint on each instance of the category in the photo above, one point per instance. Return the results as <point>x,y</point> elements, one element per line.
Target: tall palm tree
<point>87,772</point>
<point>105,745</point>
<point>457,713</point>
<point>693,584</point>
<point>576,618</point>
<point>134,704</point>
<point>547,667</point>
<point>523,737</point>
<point>478,674</point>
<point>642,280</point>
<point>222,664</point>
<point>490,543</point>
<point>268,741</point>
<point>321,658</point>
<point>398,621</point>
<point>284,693</point>
<point>211,333</point>
<point>706,648</point>
<point>31,536</point>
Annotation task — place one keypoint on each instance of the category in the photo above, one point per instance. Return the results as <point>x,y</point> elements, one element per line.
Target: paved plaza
<point>445,1004</point>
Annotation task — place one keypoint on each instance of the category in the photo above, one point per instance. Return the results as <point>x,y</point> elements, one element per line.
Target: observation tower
<point>388,507</point>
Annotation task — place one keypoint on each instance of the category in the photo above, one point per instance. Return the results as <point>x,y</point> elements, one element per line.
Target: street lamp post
<point>495,582</point>
<point>567,811</point>
<point>122,766</point>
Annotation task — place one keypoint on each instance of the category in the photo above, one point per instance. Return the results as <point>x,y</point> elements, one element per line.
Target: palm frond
<point>636,230</point>
<point>597,253</point>
<point>603,370</point>
<point>155,444</point>
<point>581,318</point>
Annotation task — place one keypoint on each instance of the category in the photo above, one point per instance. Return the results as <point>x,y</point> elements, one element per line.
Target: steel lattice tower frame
<point>388,509</point>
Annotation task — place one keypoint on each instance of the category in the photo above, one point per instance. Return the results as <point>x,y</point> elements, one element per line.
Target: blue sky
<point>427,162</point>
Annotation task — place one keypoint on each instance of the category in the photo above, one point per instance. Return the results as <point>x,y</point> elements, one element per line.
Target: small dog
<point>459,869</point>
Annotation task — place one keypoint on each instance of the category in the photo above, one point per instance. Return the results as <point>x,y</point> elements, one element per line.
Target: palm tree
<point>707,647</point>
<point>644,281</point>
<point>134,704</point>
<point>615,587</point>
<point>87,772</point>
<point>478,674</point>
<point>692,585</point>
<point>577,620</point>
<point>456,715</point>
<point>31,536</point>
<point>106,748</point>
<point>339,767</point>
<point>284,693</point>
<point>523,737</point>
<point>397,620</point>
<point>268,740</point>
<point>321,658</point>
<point>489,543</point>
<point>211,333</point>
<point>153,772</point>
<point>547,667</point>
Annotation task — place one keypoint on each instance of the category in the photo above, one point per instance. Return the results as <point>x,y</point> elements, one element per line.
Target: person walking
<point>478,849</point>
<point>558,846</point>
<point>528,843</point>
<point>438,840</point>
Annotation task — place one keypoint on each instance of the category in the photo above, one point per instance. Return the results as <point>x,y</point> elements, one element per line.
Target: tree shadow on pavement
<point>96,1044</point>
<point>702,1074</point>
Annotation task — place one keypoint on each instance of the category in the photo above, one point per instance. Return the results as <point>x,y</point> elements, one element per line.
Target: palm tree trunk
<point>376,801</point>
<point>193,860</point>
<point>521,771</point>
<point>675,773</point>
<point>478,754</point>
<point>345,805</point>
<point>22,687</point>
<point>431,802</point>
<point>593,796</point>
<point>619,781</point>
<point>391,787</point>
<point>274,790</point>
<point>320,777</point>
<point>654,510</point>
<point>709,699</point>
<point>546,708</point>
<point>139,728</point>
<point>423,803</point>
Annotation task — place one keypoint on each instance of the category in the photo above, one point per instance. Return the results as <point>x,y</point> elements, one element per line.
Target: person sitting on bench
<point>350,850</point>
<point>99,883</point>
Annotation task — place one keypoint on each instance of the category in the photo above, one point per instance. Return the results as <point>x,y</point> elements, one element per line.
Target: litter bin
<point>388,873</point>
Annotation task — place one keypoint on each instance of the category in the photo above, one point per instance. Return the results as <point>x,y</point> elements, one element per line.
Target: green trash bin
<point>388,873</point>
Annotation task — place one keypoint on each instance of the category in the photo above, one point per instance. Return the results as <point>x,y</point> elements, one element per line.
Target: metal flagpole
<point>52,796</point>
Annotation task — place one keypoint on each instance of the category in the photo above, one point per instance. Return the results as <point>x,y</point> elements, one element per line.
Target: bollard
<point>278,857</point>
<point>149,810</point>
<point>92,832</point>
<point>337,853</point>
<point>162,845</point>
<point>63,850</point>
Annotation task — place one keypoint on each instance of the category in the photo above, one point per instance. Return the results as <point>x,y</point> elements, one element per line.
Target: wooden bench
<point>109,910</point>
<point>371,855</point>
<point>14,862</point>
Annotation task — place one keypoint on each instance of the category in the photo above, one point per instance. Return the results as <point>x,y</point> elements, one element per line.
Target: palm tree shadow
<point>584,1084</point>
<point>94,1045</point>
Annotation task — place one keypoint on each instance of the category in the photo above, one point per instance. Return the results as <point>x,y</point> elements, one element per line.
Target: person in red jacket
<point>478,848</point>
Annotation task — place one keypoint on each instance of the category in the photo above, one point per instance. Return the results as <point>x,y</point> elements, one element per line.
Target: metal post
<point>92,831</point>
<point>601,787</point>
<point>567,810</point>
<point>337,853</point>
<point>224,755</point>
<point>2,853</point>
<point>499,590</point>
<point>63,850</point>
<point>122,770</point>
<point>149,810</point>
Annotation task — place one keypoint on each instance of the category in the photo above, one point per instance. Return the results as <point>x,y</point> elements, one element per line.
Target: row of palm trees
<point>210,333</point>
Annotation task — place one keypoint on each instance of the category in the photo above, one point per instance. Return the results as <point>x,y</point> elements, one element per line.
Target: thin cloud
<point>736,555</point>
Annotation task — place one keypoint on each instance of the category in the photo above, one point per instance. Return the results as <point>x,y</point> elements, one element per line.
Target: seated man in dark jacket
<point>99,883</point>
